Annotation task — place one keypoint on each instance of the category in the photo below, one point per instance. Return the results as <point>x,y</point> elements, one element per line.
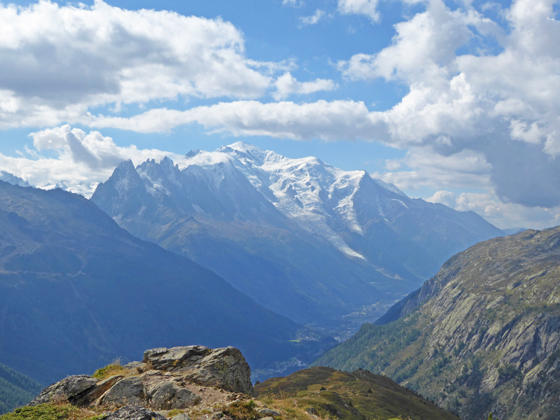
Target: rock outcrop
<point>224,367</point>
<point>178,378</point>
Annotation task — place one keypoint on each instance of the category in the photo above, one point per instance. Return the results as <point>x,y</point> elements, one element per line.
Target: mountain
<point>480,337</point>
<point>199,383</point>
<point>15,389</point>
<point>76,291</point>
<point>331,394</point>
<point>12,179</point>
<point>312,242</point>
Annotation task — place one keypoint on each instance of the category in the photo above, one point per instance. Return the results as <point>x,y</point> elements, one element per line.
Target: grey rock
<point>135,365</point>
<point>128,391</point>
<point>70,389</point>
<point>181,416</point>
<point>97,391</point>
<point>267,418</point>
<point>268,412</point>
<point>174,358</point>
<point>134,413</point>
<point>168,395</point>
<point>225,368</point>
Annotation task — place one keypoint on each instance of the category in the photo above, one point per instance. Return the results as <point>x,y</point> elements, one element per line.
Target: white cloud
<point>418,51</point>
<point>359,7</point>
<point>313,19</point>
<point>58,61</point>
<point>325,120</point>
<point>502,105</point>
<point>293,3</point>
<point>425,168</point>
<point>73,159</point>
<point>287,85</point>
<point>502,214</point>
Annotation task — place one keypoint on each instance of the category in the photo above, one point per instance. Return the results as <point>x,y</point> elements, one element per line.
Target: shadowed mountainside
<point>77,291</point>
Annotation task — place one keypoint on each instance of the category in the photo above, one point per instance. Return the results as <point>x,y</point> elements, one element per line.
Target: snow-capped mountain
<point>308,240</point>
<point>12,179</point>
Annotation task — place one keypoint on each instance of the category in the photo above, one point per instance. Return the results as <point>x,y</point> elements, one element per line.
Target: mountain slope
<point>313,242</point>
<point>15,389</point>
<point>360,395</point>
<point>481,336</point>
<point>77,291</point>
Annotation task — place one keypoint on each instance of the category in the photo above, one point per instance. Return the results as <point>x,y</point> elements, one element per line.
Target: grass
<point>112,370</point>
<point>243,410</point>
<point>51,412</point>
<point>332,394</point>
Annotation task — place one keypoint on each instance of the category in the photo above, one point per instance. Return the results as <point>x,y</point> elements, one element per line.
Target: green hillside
<point>480,337</point>
<point>15,389</point>
<point>360,395</point>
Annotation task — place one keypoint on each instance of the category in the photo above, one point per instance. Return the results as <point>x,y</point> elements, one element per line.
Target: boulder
<point>133,413</point>
<point>128,391</point>
<point>70,389</point>
<point>268,412</point>
<point>224,368</point>
<point>174,358</point>
<point>168,395</point>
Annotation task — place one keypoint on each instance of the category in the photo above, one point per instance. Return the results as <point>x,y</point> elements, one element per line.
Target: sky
<point>453,101</point>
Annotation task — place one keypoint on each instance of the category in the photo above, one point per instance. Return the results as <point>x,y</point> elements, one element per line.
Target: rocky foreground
<point>177,383</point>
<point>196,382</point>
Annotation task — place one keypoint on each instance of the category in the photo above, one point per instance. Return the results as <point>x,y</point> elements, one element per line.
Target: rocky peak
<point>223,367</point>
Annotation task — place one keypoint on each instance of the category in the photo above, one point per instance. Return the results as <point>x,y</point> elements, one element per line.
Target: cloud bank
<point>73,159</point>
<point>58,62</point>
<point>500,104</point>
<point>481,109</point>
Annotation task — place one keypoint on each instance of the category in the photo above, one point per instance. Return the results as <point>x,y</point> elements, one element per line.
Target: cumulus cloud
<point>73,159</point>
<point>58,61</point>
<point>293,3</point>
<point>313,19</point>
<point>502,214</point>
<point>359,7</point>
<point>423,168</point>
<point>287,85</point>
<point>327,120</point>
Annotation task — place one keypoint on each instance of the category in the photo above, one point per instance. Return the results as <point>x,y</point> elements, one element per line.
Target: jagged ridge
<point>308,240</point>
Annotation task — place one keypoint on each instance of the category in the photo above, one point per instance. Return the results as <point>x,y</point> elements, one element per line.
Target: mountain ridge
<point>298,227</point>
<point>480,337</point>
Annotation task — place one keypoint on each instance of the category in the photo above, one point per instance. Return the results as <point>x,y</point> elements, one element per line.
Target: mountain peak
<point>241,146</point>
<point>12,179</point>
<point>125,167</point>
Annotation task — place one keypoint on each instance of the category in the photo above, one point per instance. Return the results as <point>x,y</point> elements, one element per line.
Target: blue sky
<point>452,101</point>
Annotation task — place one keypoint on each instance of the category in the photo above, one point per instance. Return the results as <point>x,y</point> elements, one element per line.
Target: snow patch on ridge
<point>317,196</point>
